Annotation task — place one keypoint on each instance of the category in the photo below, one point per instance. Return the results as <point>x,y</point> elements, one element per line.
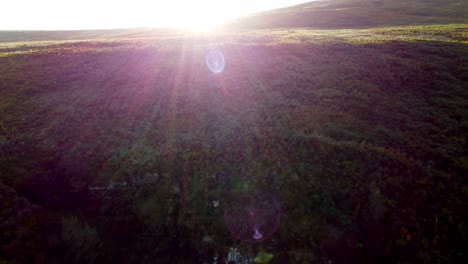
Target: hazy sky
<point>92,14</point>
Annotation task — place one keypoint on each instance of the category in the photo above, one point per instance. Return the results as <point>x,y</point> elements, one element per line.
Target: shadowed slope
<point>360,14</point>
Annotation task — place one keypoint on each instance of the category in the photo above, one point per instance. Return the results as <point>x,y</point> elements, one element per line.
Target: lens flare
<point>252,218</point>
<point>215,61</point>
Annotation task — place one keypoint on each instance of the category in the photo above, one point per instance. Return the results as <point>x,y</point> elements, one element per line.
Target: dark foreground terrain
<point>114,151</point>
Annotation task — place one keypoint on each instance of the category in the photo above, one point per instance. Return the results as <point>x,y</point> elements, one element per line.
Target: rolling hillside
<point>333,14</point>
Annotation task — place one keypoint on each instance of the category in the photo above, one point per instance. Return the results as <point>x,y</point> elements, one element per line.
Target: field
<point>114,149</point>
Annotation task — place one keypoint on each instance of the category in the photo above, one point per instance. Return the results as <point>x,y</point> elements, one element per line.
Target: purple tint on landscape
<point>252,218</point>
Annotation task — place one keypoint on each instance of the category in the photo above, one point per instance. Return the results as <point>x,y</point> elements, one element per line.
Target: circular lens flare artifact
<point>215,60</point>
<point>252,218</point>
<point>257,235</point>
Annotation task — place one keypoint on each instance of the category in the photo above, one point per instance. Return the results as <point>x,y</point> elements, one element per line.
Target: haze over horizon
<point>106,14</point>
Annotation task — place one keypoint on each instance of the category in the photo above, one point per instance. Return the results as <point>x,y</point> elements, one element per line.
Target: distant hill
<point>64,35</point>
<point>359,14</point>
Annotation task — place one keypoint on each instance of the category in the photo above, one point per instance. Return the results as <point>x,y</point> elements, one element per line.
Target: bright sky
<point>99,14</point>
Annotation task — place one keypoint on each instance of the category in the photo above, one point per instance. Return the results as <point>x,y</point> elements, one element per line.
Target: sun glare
<point>201,15</point>
<point>198,24</point>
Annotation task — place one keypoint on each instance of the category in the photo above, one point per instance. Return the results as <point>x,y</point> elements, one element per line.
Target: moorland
<point>114,144</point>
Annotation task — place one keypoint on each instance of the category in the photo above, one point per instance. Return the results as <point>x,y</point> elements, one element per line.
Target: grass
<point>361,135</point>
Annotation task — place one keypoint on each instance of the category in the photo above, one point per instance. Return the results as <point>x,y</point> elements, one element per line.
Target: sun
<point>200,24</point>
<point>203,16</point>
